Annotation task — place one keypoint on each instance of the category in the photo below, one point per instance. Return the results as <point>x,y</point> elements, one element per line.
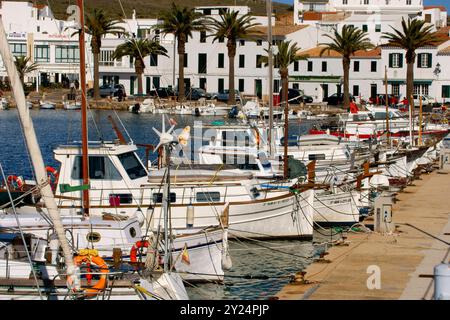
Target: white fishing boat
<point>46,105</point>
<point>147,106</point>
<point>72,105</point>
<point>211,110</point>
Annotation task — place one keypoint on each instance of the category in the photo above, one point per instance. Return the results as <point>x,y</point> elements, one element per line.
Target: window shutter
<point>419,60</point>
<point>430,62</point>
<point>400,60</point>
<point>391,57</point>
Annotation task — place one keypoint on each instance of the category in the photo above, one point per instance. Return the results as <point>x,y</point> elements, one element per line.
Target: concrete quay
<point>404,259</point>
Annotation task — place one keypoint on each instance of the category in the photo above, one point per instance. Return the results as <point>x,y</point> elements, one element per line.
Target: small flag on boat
<point>173,122</point>
<point>185,255</point>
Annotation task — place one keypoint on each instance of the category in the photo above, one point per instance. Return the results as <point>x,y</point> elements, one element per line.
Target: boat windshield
<point>132,165</point>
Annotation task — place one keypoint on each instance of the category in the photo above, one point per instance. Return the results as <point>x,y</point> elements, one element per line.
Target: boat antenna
<point>270,66</point>
<point>35,152</point>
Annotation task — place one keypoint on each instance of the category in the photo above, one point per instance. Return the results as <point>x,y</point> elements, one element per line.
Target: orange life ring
<point>100,263</point>
<point>53,176</point>
<point>15,182</point>
<point>136,247</point>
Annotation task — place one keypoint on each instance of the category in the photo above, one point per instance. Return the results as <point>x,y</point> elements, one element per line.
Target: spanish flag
<point>185,255</point>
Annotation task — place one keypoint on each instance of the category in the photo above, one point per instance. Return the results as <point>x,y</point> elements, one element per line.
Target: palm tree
<point>415,35</point>
<point>97,25</point>
<point>138,49</point>
<point>181,22</point>
<point>232,27</point>
<point>346,43</point>
<point>24,66</point>
<point>287,54</point>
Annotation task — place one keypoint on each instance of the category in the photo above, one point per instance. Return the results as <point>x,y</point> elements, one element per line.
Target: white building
<point>32,31</point>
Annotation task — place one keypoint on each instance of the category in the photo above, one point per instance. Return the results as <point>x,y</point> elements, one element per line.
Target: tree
<point>346,43</point>
<point>414,35</point>
<point>97,25</point>
<point>181,22</point>
<point>138,49</point>
<point>287,54</point>
<point>24,66</point>
<point>231,27</point>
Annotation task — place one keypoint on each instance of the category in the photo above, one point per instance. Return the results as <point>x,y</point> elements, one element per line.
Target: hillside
<point>151,8</point>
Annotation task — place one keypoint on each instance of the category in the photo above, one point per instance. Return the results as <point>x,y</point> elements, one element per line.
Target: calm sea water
<point>59,127</point>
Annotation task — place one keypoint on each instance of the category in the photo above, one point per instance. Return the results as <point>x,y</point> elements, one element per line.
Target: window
<point>395,89</point>
<point>207,12</point>
<point>324,66</point>
<point>258,61</point>
<point>241,85</point>
<point>312,157</point>
<point>241,61</point>
<point>356,66</point>
<point>106,58</point>
<point>132,165</point>
<point>355,90</point>
<point>221,85</point>
<point>296,64</point>
<point>395,60</point>
<point>344,2</point>
<point>67,54</point>
<point>373,66</point>
<point>202,63</point>
<point>242,42</point>
<point>153,60</point>
<point>18,49</point>
<point>221,40</point>
<point>378,28</point>
<point>408,2</point>
<point>42,53</point>
<point>365,28</point>
<point>276,86</point>
<point>158,197</point>
<point>259,42</point>
<point>221,61</point>
<point>208,196</point>
<point>202,36</point>
<point>93,237</point>
<point>156,82</point>
<point>366,1</point>
<point>424,60</point>
<point>310,66</point>
<point>445,91</point>
<point>100,168</point>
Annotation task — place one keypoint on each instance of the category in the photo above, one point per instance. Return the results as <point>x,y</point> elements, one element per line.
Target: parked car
<point>336,99</point>
<point>296,96</point>
<point>162,93</point>
<point>380,99</point>
<point>426,100</point>
<point>225,95</point>
<point>197,93</point>
<point>108,90</point>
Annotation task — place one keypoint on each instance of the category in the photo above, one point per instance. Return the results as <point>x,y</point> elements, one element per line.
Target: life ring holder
<point>91,257</point>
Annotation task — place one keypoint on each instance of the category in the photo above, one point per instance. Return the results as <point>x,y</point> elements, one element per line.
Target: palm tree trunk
<point>231,55</point>
<point>139,69</point>
<point>346,66</point>
<point>181,52</point>
<point>410,81</point>
<point>285,84</point>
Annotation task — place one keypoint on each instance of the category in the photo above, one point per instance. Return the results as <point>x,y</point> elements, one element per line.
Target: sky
<point>427,2</point>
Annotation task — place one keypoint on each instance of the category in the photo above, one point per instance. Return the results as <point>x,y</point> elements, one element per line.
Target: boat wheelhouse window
<point>360,117</point>
<point>132,165</point>
<point>380,115</point>
<point>158,197</point>
<point>316,157</point>
<point>208,196</point>
<point>100,168</point>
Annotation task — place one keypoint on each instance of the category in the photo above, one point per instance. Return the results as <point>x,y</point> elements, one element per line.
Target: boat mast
<point>387,107</point>
<point>84,126</point>
<point>270,84</point>
<point>34,150</point>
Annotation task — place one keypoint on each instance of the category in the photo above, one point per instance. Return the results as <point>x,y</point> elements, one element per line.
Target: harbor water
<point>260,269</point>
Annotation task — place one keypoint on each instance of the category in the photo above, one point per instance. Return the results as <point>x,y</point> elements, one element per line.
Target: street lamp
<point>437,70</point>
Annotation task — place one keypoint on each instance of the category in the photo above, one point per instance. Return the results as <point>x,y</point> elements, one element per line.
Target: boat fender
<point>227,264</point>
<point>190,216</point>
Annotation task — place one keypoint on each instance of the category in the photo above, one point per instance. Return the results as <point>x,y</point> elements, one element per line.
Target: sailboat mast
<point>34,150</point>
<point>270,84</point>
<point>84,125</point>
